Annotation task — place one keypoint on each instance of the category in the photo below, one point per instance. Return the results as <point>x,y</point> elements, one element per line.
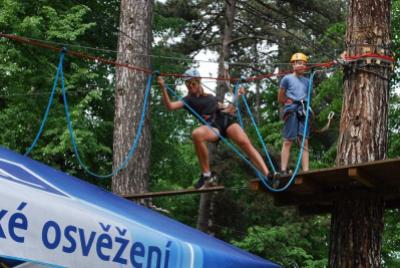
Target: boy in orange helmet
<point>293,91</point>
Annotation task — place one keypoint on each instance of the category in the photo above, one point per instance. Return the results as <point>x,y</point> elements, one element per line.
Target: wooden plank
<point>299,185</point>
<point>255,185</point>
<point>303,185</point>
<point>387,171</point>
<point>393,203</point>
<point>309,210</point>
<point>376,164</point>
<point>316,191</point>
<point>359,175</point>
<point>324,209</point>
<point>290,199</point>
<point>314,210</point>
<point>390,195</point>
<point>175,192</point>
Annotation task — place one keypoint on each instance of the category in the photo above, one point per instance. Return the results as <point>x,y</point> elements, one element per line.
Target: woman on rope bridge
<point>218,118</point>
<point>292,95</point>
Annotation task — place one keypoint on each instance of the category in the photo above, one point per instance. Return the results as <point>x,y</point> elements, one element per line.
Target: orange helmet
<point>299,56</point>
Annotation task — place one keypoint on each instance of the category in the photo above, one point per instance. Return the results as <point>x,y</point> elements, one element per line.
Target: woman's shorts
<point>222,121</point>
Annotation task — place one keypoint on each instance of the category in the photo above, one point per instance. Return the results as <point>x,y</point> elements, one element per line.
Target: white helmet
<point>190,74</point>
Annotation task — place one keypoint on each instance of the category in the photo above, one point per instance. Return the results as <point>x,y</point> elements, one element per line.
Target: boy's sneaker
<point>206,181</point>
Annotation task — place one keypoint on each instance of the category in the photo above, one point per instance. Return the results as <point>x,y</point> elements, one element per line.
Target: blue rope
<point>132,149</point>
<point>229,144</point>
<point>136,139</point>
<point>259,134</point>
<point>236,92</point>
<point>50,102</point>
<point>236,101</point>
<point>310,88</point>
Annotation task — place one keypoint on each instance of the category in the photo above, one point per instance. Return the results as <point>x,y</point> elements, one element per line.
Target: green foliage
<point>163,20</point>
<point>394,111</point>
<point>391,239</point>
<point>63,26</point>
<point>181,28</point>
<point>26,80</point>
<point>327,99</point>
<point>394,126</point>
<point>332,37</point>
<point>287,244</point>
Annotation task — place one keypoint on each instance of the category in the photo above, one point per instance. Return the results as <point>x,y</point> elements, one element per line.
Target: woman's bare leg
<point>238,136</point>
<point>201,136</point>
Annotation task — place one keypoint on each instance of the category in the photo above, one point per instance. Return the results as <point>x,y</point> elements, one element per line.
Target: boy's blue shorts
<point>294,126</point>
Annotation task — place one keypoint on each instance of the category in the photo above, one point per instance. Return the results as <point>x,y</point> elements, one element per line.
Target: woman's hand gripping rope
<point>230,108</point>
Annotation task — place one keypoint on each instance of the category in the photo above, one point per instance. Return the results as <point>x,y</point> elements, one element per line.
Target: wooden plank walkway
<point>174,192</point>
<point>315,191</point>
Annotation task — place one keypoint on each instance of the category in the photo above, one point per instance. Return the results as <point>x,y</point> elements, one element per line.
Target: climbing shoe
<point>206,181</point>
<point>273,180</point>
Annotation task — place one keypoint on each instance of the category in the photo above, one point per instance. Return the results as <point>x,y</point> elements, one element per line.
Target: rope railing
<point>35,42</point>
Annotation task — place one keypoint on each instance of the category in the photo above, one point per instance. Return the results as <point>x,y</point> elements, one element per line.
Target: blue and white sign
<point>49,217</point>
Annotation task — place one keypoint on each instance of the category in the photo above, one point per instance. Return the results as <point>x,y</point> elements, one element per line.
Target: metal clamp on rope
<point>341,61</point>
<point>157,73</point>
<point>242,79</point>
<point>331,115</point>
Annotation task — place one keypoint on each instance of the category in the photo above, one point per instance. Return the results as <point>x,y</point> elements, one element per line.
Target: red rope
<point>106,61</point>
<point>148,71</point>
<point>72,53</point>
<point>369,55</point>
<point>29,41</point>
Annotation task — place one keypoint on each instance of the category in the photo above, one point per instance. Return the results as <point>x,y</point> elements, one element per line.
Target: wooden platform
<point>175,192</point>
<point>315,191</point>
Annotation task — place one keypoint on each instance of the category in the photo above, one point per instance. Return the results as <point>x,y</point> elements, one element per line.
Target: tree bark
<point>134,39</point>
<point>205,218</point>
<point>206,206</point>
<point>258,93</point>
<point>357,223</point>
<point>225,54</point>
<point>356,228</point>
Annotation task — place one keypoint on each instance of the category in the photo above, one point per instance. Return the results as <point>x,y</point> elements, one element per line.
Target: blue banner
<point>49,217</point>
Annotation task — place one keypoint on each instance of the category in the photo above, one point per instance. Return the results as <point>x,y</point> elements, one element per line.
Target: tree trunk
<point>356,229</point>
<point>206,210</point>
<point>225,54</point>
<point>204,213</point>
<point>135,38</point>
<point>258,93</point>
<point>357,223</point>
<point>206,206</point>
